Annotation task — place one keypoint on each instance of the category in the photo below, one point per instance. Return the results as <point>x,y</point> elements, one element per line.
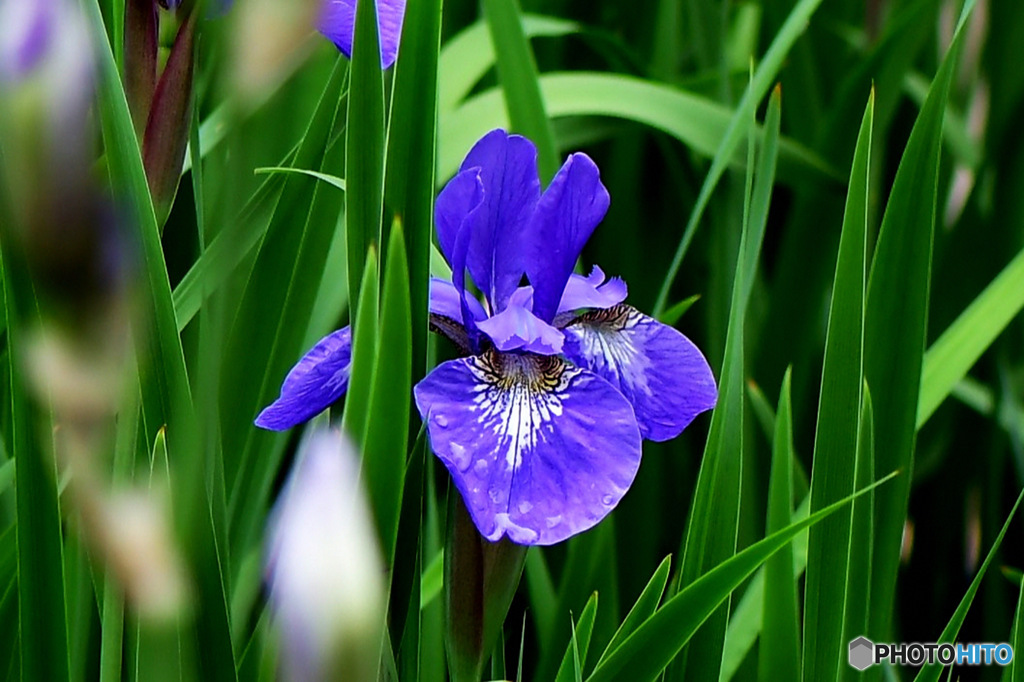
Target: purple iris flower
<point>540,424</point>
<point>338,21</point>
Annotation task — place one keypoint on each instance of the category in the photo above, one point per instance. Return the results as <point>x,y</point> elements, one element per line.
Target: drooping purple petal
<point>338,20</point>
<point>566,216</point>
<point>459,198</point>
<point>444,300</point>
<point>516,328</point>
<point>316,381</point>
<point>508,170</point>
<point>540,450</point>
<point>592,291</point>
<point>660,371</point>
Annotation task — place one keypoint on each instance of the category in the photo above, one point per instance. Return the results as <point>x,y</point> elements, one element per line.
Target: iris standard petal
<point>592,291</point>
<point>316,381</point>
<point>455,203</point>
<point>540,450</point>
<point>572,206</point>
<point>338,19</point>
<point>516,328</point>
<point>660,371</point>
<point>508,169</point>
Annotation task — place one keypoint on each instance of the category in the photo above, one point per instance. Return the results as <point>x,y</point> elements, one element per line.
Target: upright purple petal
<point>566,216</point>
<point>455,204</point>
<point>592,291</point>
<point>516,328</point>
<point>540,450</point>
<point>316,381</point>
<point>338,20</point>
<point>508,170</point>
<point>662,374</point>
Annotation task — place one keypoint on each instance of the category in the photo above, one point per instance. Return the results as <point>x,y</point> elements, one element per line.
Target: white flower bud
<point>324,567</point>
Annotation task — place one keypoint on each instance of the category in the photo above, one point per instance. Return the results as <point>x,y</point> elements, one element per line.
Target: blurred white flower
<point>324,566</point>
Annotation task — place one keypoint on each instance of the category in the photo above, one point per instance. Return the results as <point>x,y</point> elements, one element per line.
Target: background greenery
<point>847,251</point>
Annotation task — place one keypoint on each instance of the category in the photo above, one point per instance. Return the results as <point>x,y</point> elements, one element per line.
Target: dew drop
<point>525,507</point>
<point>608,500</point>
<point>441,420</point>
<point>496,495</point>
<point>460,456</point>
<point>480,467</point>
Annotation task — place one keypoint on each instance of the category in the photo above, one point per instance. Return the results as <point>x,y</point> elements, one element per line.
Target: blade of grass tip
<point>517,70</point>
<point>779,650</point>
<point>412,156</point>
<point>332,180</point>
<point>763,77</point>
<point>384,445</point>
<point>576,653</point>
<point>930,673</point>
<point>658,640</point>
<point>672,315</point>
<point>364,148</point>
<point>112,609</point>
<point>858,585</point>
<point>895,327</point>
<point>712,527</point>
<point>646,604</point>
<point>832,471</point>
<point>1016,666</point>
<point>43,636</point>
<point>955,352</point>
<point>364,355</point>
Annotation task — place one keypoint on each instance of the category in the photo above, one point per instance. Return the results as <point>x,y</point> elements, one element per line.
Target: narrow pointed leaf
<point>896,323</point>
<point>576,653</point>
<point>655,643</point>
<point>779,649</point>
<point>364,354</point>
<point>646,604</point>
<point>832,473</point>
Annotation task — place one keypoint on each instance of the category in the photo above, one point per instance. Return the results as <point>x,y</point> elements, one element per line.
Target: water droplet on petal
<point>525,507</point>
<point>496,495</point>
<point>460,456</point>
<point>608,500</point>
<point>441,420</point>
<point>480,467</point>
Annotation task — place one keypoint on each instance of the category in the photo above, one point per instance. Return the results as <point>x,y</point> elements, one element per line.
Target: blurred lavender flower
<point>338,20</point>
<point>541,425</point>
<point>324,567</point>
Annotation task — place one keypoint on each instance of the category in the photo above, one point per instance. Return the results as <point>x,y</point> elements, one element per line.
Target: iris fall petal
<point>319,378</point>
<point>539,449</point>
<point>664,376</point>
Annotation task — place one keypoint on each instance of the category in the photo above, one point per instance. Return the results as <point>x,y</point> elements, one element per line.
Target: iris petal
<point>664,376</point>
<point>444,300</point>
<point>455,203</point>
<point>592,291</point>
<point>540,450</point>
<point>508,169</point>
<point>516,328</point>
<point>316,381</point>
<point>566,216</point>
<point>338,20</point>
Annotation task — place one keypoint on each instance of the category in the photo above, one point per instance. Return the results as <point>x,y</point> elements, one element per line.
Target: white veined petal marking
<point>518,397</point>
<point>604,339</point>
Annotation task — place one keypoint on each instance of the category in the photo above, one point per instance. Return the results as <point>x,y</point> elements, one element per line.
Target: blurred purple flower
<point>338,20</point>
<point>541,424</point>
<point>324,567</point>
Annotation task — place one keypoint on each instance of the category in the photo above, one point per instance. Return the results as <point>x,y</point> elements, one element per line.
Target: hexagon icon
<point>862,653</point>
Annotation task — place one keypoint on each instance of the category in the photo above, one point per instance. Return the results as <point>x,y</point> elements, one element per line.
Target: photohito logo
<point>865,653</point>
